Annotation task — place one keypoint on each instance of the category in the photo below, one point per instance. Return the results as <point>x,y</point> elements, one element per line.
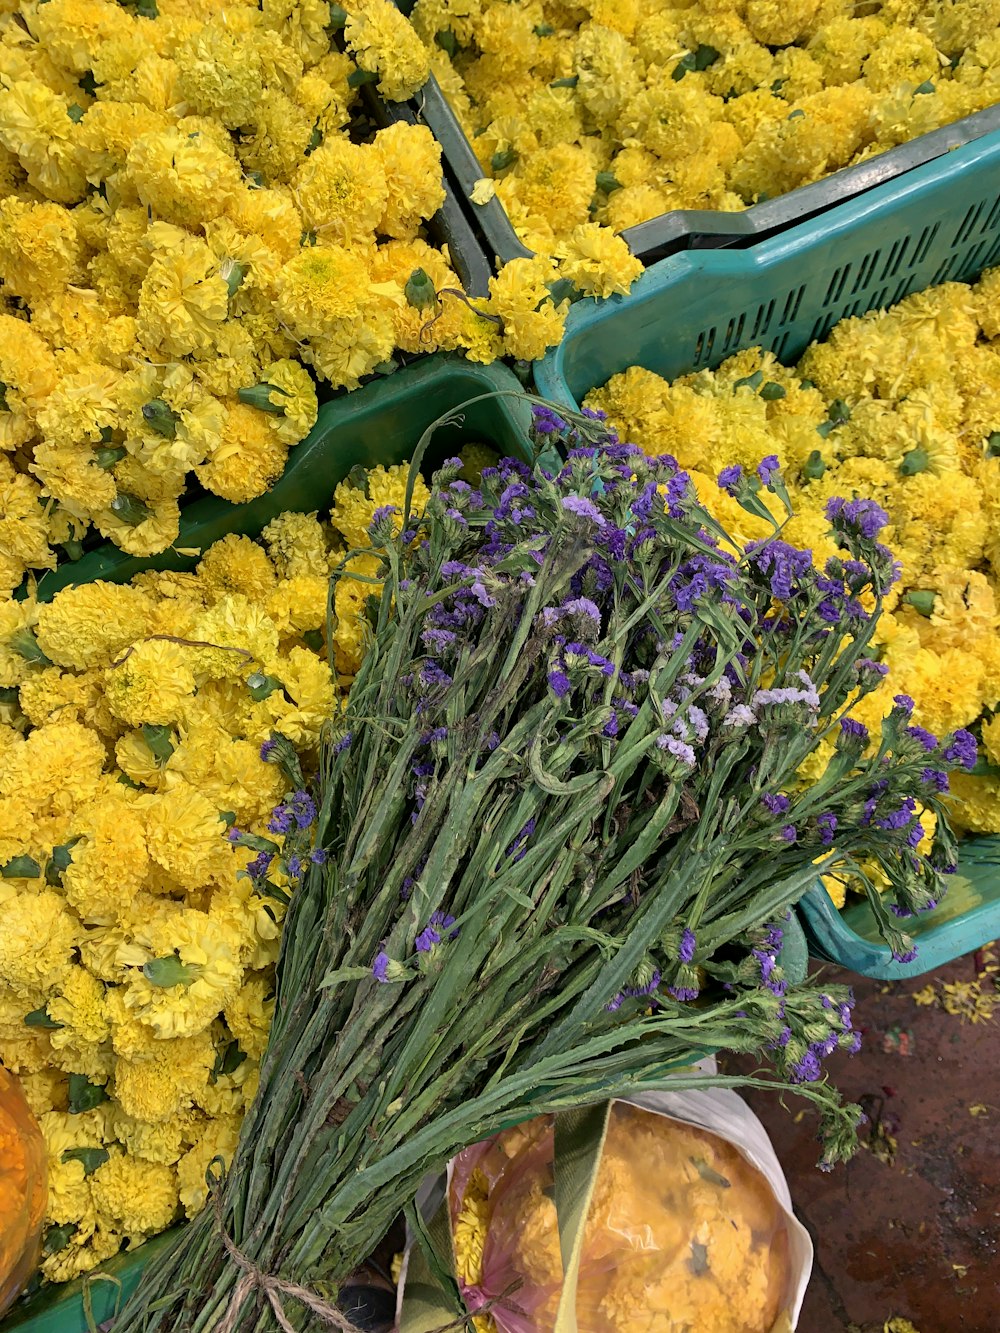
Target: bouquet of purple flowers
<point>561,824</point>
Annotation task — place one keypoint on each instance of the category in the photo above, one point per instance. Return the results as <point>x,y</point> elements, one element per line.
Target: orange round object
<point>23,1189</point>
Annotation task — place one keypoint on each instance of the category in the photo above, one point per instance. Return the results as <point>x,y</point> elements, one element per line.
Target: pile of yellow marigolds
<point>620,110</point>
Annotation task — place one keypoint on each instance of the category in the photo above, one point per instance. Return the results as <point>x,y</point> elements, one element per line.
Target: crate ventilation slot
<point>866,270</point>
<point>792,302</point>
<point>733,333</point>
<point>993,221</point>
<point>924,244</point>
<point>763,321</point>
<point>895,257</point>
<point>968,222</point>
<point>837,284</point>
<point>704,345</point>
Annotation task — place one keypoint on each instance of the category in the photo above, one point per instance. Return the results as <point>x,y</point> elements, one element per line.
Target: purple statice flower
<point>936,778</point>
<point>678,748</point>
<point>575,504</point>
<point>962,749</point>
<point>233,835</point>
<point>426,940</point>
<point>854,730</point>
<point>518,847</point>
<point>594,413</point>
<point>777,804</point>
<point>866,665</point>
<point>899,911</point>
<point>545,421</point>
<point>559,683</point>
<point>906,957</point>
<point>303,808</point>
<point>434,735</point>
<point>610,728</point>
<point>344,743</point>
<point>438,639</point>
<point>827,825</point>
<point>854,1045</point>
<point>781,563</point>
<point>267,749</point>
<point>864,516</point>
<point>432,932</point>
<point>259,866</point>
<point>318,856</point>
<point>381,525</point>
<point>740,716</point>
<point>582,606</point>
<point>767,467</point>
<point>808,1069</point>
<point>294,866</point>
<point>615,1004</point>
<point>638,992</point>
<point>904,702</point>
<point>688,944</point>
<point>380,967</point>
<point>729,478</point>
<point>916,835</point>
<point>683,993</point>
<point>926,738</point>
<point>434,676</point>
<point>789,833</point>
<point>899,819</point>
<point>282,819</point>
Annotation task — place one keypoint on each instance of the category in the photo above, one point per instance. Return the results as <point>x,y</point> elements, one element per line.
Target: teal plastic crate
<point>380,423</point>
<point>938,223</point>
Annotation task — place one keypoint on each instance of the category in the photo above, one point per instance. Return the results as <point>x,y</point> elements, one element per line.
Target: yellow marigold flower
<point>184,297</point>
<point>55,695</point>
<point>80,1044</point>
<point>228,771</point>
<point>45,1091</point>
<point>185,834</point>
<point>357,346</point>
<point>28,373</point>
<point>24,536</point>
<point>249,1013</point>
<point>248,457</point>
<point>298,605</point>
<point>320,288</point>
<point>903,55</point>
<point>108,863</point>
<point>145,529</point>
<point>411,160</point>
<point>341,191</point>
<point>236,564</point>
<point>297,544</point>
<point>205,957</point>
<point>36,125</point>
<point>81,405</point>
<point>90,1247</point>
<point>220,75</point>
<point>137,1198</point>
<point>287,394</point>
<point>244,638</point>
<point>415,327</point>
<point>597,262</point>
<point>532,321</point>
<point>56,770</point>
<point>152,685</point>
<point>184,180</point>
<point>271,216</point>
<point>306,702</point>
<point>40,252</point>
<point>218,1139</point>
<point>74,32</point>
<point>555,183</point>
<point>353,508</point>
<point>383,43</point>
<point>352,634</point>
<point>37,936</point>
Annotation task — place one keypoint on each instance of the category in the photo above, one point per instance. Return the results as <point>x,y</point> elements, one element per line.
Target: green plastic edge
<point>380,423</point>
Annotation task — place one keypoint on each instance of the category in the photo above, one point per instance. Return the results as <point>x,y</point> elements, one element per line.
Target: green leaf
<point>160,740</point>
<point>262,686</point>
<point>316,137</point>
<point>161,417</point>
<point>814,466</point>
<point>228,817</point>
<point>825,429</point>
<point>922,600</point>
<point>25,645</point>
<point>501,160</point>
<point>130,509</point>
<point>359,77</point>
<point>84,1095</point>
<point>342,974</point>
<point>75,112</point>
<point>91,1158</point>
<point>798,114</point>
<point>708,1174</point>
<point>750,381</point>
<point>338,18</point>
<point>925,87</point>
<point>107,457</point>
<point>314,639</point>
<point>839,412</point>
<point>565,83</point>
<point>9,694</point>
<point>447,41</point>
<point>705,56</point>
<point>57,1238</point>
<point>21,867</point>
<point>608,182</point>
<point>916,460</point>
<point>308,238</point>
<point>227,1061</point>
<point>73,549</point>
<point>543,30</point>
<point>771,392</point>
<point>993,445</point>
<point>233,273</point>
<point>39,1018</point>
<point>260,397</point>
<point>698,1263</point>
<point>419,290</point>
<point>60,861</point>
<point>4,406</point>
<point>169,971</point>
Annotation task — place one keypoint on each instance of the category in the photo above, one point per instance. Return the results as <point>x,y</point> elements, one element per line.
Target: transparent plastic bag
<point>684,1226</point>
<point>23,1189</point>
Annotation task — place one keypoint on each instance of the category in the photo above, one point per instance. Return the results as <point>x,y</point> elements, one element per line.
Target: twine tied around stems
<point>274,1288</point>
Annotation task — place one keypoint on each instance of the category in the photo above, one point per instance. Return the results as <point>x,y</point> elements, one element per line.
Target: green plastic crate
<point>938,223</point>
<point>380,423</point>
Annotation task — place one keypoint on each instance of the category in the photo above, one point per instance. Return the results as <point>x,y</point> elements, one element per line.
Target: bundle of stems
<point>563,822</point>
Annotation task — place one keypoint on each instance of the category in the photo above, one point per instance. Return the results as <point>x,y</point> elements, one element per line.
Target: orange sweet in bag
<point>23,1189</point>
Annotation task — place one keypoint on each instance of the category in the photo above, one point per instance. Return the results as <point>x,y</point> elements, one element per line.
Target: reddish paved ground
<point>913,1232</point>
